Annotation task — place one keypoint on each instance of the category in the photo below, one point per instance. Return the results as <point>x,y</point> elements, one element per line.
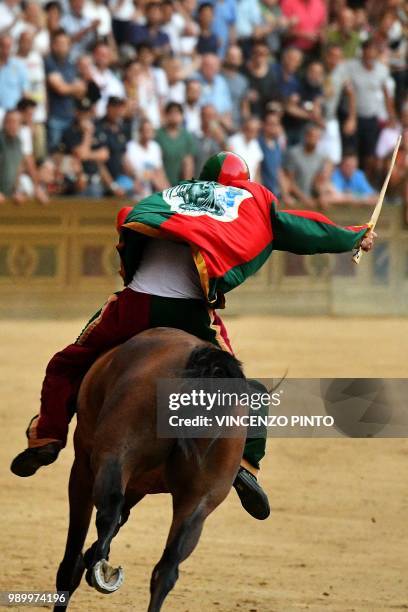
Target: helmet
<point>224,168</point>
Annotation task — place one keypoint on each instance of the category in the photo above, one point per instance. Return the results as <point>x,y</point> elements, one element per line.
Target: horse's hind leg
<point>72,566</point>
<point>109,500</point>
<point>190,509</point>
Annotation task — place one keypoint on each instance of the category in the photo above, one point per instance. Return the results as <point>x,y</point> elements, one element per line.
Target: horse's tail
<point>208,362</point>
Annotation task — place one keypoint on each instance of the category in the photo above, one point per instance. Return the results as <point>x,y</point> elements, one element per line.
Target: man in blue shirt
<point>351,182</point>
<point>62,86</point>
<point>225,14</point>
<point>215,90</point>
<point>151,33</point>
<point>270,141</point>
<point>13,76</point>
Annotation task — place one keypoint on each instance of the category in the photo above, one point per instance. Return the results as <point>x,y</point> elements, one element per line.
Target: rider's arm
<point>307,232</point>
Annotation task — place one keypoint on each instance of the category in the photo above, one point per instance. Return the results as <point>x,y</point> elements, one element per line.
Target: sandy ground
<point>337,538</point>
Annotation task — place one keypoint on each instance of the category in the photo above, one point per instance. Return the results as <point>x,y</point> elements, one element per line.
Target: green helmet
<point>224,168</point>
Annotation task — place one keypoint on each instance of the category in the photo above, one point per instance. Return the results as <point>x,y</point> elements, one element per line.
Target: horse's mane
<point>207,362</point>
<point>211,362</point>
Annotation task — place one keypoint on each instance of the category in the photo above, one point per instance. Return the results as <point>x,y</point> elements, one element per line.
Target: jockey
<point>181,250</point>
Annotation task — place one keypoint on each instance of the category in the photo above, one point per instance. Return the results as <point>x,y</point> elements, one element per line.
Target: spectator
<point>337,87</point>
<point>133,111</point>
<point>214,87</point>
<point>308,19</point>
<point>111,134</point>
<point>273,143</point>
<point>399,179</point>
<point>237,84</point>
<point>286,73</point>
<point>192,107</point>
<point>53,14</point>
<point>31,21</point>
<point>212,138</point>
<point>63,87</point>
<point>175,75</point>
<point>153,86</point>
<point>86,69</point>
<point>263,87</point>
<point>207,41</point>
<point>342,34</point>
<point>306,105</point>
<point>144,163</point>
<point>277,23</point>
<point>80,29</point>
<point>225,15</point>
<point>11,157</point>
<point>368,75</point>
<point>151,33</point>
<point>109,85</point>
<point>245,144</point>
<point>349,184</point>
<point>88,146</point>
<point>393,48</point>
<point>9,12</point>
<point>305,167</point>
<point>174,25</point>
<point>36,89</point>
<point>177,145</point>
<point>188,40</point>
<point>30,179</point>
<point>122,12</point>
<point>97,12</point>
<point>13,75</point>
<point>249,24</point>
<point>389,135</point>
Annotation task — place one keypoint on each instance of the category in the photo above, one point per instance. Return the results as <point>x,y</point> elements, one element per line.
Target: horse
<point>119,458</point>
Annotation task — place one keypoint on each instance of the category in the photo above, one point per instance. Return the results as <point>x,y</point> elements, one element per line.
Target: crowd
<point>125,97</point>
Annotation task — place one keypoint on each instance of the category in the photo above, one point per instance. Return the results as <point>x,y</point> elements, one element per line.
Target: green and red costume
<point>231,230</point>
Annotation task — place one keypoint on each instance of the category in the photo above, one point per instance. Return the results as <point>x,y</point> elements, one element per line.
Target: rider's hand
<point>367,242</point>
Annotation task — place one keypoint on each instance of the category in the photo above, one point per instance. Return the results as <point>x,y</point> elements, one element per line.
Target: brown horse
<point>119,458</point>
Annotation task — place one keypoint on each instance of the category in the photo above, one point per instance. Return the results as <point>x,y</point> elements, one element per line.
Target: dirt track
<point>337,539</point>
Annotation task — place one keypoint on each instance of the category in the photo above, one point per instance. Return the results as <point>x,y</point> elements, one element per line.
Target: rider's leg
<point>124,315</point>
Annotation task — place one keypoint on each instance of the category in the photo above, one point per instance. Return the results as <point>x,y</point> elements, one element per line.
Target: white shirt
<point>192,118</point>
<point>109,85</point>
<point>26,139</point>
<point>174,30</point>
<point>177,92</point>
<point>153,88</point>
<point>167,269</point>
<point>250,151</point>
<point>368,85</point>
<point>7,15</point>
<point>101,12</point>
<point>144,158</point>
<point>37,88</point>
<point>122,10</point>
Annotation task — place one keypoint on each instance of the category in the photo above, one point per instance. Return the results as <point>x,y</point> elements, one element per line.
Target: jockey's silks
<point>231,230</point>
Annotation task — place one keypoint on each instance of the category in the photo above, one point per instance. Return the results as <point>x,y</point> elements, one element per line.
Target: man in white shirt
<point>192,107</point>
<point>109,84</point>
<point>143,162</point>
<point>369,78</point>
<point>245,144</point>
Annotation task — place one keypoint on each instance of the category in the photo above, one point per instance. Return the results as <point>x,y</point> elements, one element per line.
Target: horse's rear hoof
<point>105,578</point>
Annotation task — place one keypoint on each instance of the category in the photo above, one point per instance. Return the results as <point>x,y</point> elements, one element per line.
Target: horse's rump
<point>119,394</point>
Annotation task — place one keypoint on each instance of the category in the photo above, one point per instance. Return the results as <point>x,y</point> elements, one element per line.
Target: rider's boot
<point>253,498</point>
<point>27,462</point>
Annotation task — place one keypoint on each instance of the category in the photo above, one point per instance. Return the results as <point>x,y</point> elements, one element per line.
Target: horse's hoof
<point>105,578</point>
